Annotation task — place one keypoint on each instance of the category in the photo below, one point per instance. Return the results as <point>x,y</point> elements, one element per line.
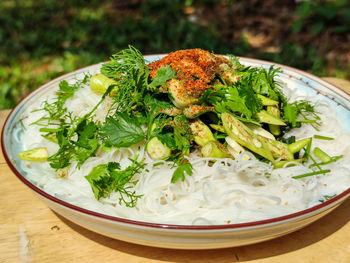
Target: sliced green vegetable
<point>266,117</point>
<point>171,111</point>
<point>219,128</point>
<point>201,132</point>
<point>324,157</point>
<point>323,137</point>
<point>278,149</point>
<point>311,174</point>
<point>215,149</point>
<point>62,172</point>
<point>298,145</point>
<point>244,136</point>
<point>280,164</point>
<point>260,131</point>
<point>179,95</point>
<point>233,147</point>
<point>267,101</point>
<point>274,111</point>
<point>35,155</point>
<point>333,159</point>
<point>99,83</point>
<point>157,150</point>
<point>193,111</point>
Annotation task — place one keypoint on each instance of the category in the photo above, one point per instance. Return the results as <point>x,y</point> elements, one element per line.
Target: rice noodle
<point>226,191</point>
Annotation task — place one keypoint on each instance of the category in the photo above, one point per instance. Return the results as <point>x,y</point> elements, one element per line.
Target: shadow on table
<point>302,238</point>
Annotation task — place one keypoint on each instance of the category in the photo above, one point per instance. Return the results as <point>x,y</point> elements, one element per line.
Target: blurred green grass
<point>42,39</point>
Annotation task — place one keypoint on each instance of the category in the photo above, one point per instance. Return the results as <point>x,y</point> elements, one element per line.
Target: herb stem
<point>311,174</point>
<point>320,137</point>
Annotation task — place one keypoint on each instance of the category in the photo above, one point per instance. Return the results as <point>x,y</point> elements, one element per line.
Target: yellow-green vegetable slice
<point>219,128</point>
<point>35,155</point>
<point>298,145</point>
<point>158,150</point>
<point>260,131</point>
<point>201,132</point>
<point>99,83</point>
<point>274,111</point>
<point>266,117</point>
<point>215,149</point>
<point>267,101</point>
<point>244,136</point>
<point>280,164</point>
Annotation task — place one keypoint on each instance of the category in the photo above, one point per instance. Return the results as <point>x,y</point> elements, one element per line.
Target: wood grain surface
<point>31,232</point>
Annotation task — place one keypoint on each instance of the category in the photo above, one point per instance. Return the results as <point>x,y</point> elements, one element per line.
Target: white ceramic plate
<point>180,236</point>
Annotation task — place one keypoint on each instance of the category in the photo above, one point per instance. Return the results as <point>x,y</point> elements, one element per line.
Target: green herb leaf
<point>167,139</point>
<point>234,103</point>
<point>164,74</point>
<point>123,61</point>
<point>107,178</point>
<point>87,142</point>
<point>122,130</point>
<point>181,172</point>
<point>291,112</point>
<point>130,72</point>
<point>56,110</point>
<point>182,133</point>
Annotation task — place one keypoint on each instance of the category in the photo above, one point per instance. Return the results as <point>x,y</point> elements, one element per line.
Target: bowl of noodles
<point>183,150</point>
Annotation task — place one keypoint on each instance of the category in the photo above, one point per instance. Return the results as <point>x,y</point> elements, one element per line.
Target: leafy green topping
<point>126,60</point>
<point>236,99</point>
<point>70,148</point>
<point>262,81</point>
<point>122,130</point>
<point>153,108</point>
<point>164,74</point>
<point>87,142</point>
<point>107,178</point>
<point>77,137</point>
<point>181,172</point>
<point>56,110</point>
<point>168,139</point>
<point>130,72</point>
<point>182,133</point>
<point>292,111</point>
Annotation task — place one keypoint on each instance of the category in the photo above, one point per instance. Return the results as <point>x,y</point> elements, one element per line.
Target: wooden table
<point>31,232</point>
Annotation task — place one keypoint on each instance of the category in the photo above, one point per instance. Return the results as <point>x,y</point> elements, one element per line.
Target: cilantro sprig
<point>122,130</point>
<point>107,178</point>
<point>56,110</point>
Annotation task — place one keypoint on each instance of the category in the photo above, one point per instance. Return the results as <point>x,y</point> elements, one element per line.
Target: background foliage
<point>42,39</point>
